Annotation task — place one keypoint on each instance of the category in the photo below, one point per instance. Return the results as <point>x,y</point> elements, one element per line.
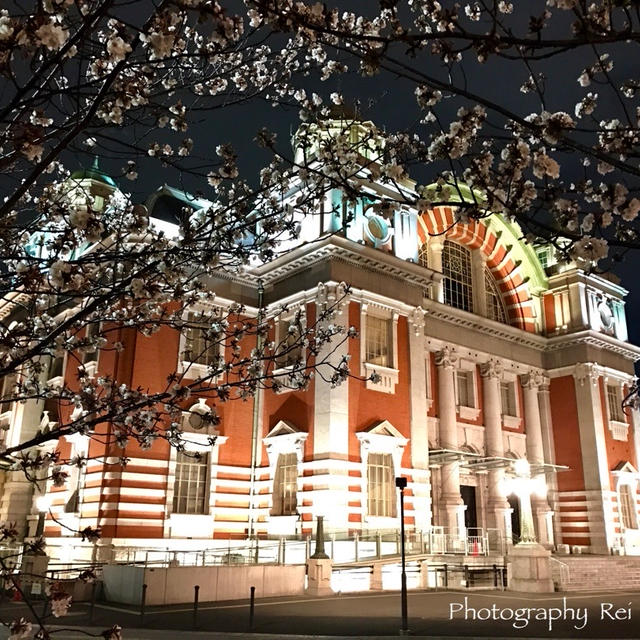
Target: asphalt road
<point>443,614</point>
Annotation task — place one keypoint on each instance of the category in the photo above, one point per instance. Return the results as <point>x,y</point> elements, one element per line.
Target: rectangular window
<point>191,487</point>
<point>91,352</point>
<point>289,347</point>
<point>378,348</point>
<point>615,403</point>
<point>466,396</point>
<point>627,507</point>
<point>56,367</point>
<point>381,485</point>
<point>7,392</point>
<point>285,485</point>
<point>508,397</point>
<point>198,347</point>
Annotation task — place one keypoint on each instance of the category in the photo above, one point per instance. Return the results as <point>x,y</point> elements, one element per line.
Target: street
<point>447,614</point>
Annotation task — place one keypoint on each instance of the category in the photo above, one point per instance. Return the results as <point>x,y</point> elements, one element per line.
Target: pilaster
<point>419,430</point>
<point>594,456</point>
<point>331,415</point>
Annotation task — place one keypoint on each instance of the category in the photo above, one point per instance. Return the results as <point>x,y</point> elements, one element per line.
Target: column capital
<point>587,372</point>
<point>491,369</point>
<point>532,379</point>
<point>446,357</point>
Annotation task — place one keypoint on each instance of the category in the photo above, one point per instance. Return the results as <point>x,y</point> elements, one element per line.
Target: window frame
<point>388,375</point>
<point>468,367</point>
<point>381,437</point>
<point>285,489</point>
<point>618,428</point>
<point>386,503</point>
<point>465,281</point>
<point>193,370</point>
<point>279,321</point>
<point>630,508</point>
<point>200,459</point>
<point>510,380</point>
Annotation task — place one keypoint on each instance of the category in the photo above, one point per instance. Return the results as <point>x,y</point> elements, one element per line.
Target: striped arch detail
<point>476,234</point>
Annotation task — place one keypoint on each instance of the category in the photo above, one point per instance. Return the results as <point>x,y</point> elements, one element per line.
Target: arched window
<point>458,283</point>
<point>423,255</point>
<point>495,306</point>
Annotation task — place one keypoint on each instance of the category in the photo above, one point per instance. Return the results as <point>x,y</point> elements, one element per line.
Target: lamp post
<point>401,483</point>
<point>43,503</point>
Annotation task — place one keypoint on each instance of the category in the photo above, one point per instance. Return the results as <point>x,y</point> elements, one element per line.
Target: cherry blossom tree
<point>528,111</point>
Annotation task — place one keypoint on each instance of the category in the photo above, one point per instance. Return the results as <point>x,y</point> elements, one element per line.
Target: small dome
<point>93,173</point>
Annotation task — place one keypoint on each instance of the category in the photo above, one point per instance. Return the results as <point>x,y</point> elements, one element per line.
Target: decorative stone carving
<point>491,369</point>
<point>446,357</point>
<point>586,372</point>
<point>417,320</point>
<point>532,380</point>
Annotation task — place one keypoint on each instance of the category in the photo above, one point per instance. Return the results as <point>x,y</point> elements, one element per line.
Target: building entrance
<point>468,495</point>
<point>514,503</point>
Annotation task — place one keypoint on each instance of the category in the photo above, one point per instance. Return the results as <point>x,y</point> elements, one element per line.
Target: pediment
<point>284,428</point>
<point>383,428</point>
<point>625,467</point>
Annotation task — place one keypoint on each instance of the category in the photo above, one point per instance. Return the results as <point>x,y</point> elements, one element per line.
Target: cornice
<point>344,250</point>
<point>439,311</point>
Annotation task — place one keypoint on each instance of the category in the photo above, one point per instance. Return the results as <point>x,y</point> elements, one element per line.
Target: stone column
<point>452,504</point>
<point>421,487</point>
<point>497,505</point>
<point>544,400</point>
<point>531,382</point>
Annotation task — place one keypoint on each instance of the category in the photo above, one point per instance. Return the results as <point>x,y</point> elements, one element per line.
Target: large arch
<point>514,265</point>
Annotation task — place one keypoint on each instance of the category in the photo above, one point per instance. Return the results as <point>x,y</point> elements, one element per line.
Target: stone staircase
<point>595,573</point>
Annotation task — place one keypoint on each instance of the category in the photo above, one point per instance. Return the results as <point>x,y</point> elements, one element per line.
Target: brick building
<point>487,352</point>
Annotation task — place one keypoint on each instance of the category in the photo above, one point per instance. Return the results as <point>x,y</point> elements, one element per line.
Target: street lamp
<point>43,503</point>
<point>401,483</point>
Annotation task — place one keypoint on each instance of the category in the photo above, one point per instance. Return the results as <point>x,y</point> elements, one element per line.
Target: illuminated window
<point>465,388</point>
<point>628,514</point>
<point>615,403</point>
<point>458,282</point>
<point>381,485</point>
<point>191,487</point>
<point>495,306</point>
<point>285,485</point>
<point>562,309</point>
<point>379,339</point>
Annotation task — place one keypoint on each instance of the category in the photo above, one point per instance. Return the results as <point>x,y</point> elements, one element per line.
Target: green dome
<point>93,173</point>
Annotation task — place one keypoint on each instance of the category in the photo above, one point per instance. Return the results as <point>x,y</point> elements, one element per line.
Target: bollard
<point>466,575</point>
<point>446,577</point>
<point>92,606</point>
<point>143,602</point>
<point>196,594</point>
<point>495,576</point>
<point>252,606</point>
